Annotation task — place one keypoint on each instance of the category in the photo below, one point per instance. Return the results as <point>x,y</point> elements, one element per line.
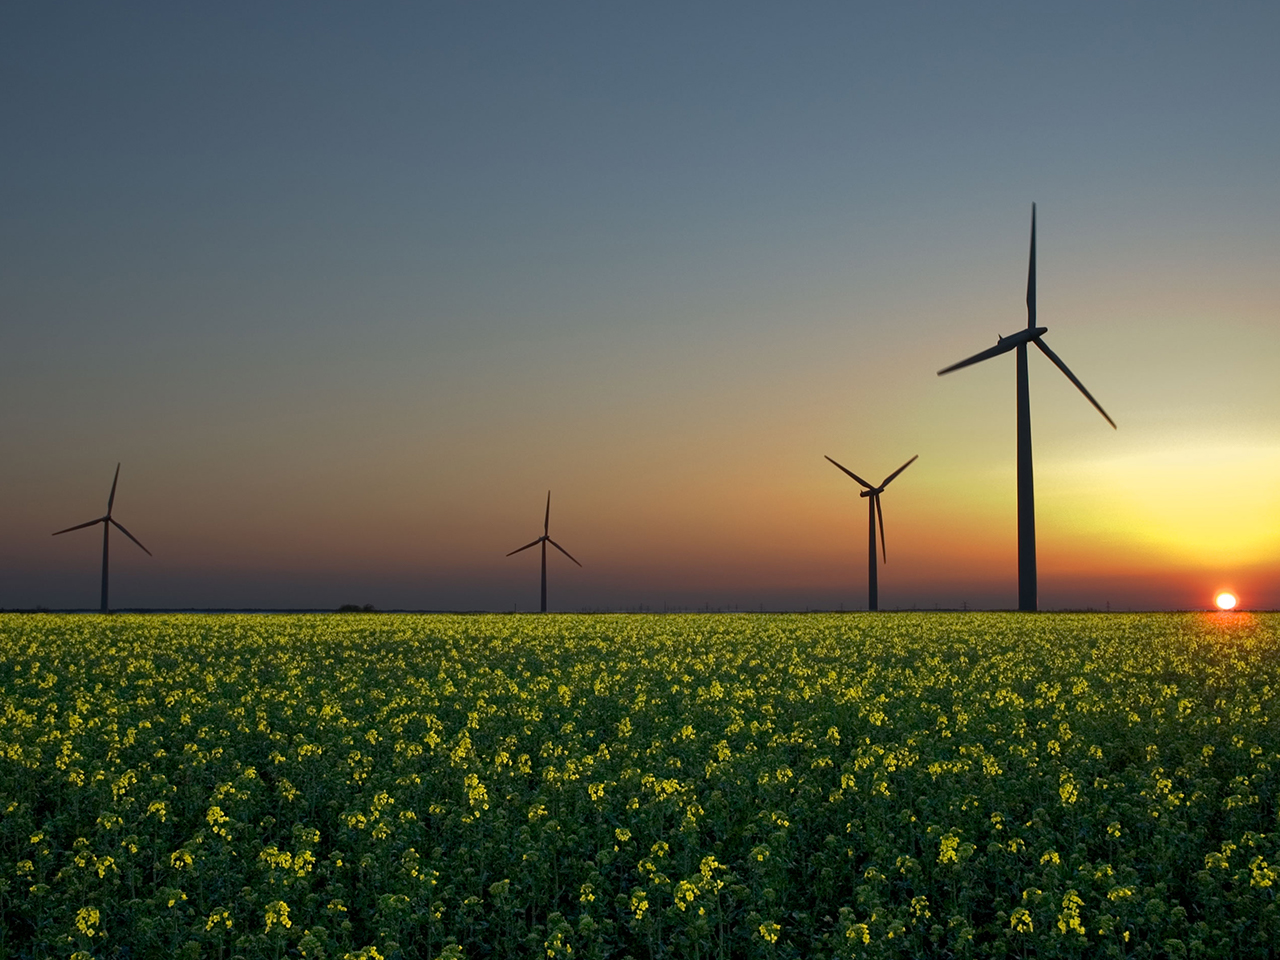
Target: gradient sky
<point>348,287</point>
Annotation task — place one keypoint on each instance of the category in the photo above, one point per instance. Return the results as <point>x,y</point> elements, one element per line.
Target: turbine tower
<point>107,522</point>
<point>1026,487</point>
<point>544,540</point>
<point>874,512</point>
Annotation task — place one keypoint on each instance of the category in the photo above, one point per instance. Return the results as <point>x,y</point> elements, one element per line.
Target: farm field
<point>853,785</point>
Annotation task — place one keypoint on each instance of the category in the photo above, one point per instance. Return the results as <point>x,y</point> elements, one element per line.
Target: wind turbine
<point>106,522</point>
<point>544,540</point>
<point>1026,488</point>
<point>874,512</point>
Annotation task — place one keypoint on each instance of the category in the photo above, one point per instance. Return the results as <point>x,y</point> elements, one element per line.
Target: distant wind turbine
<point>544,540</point>
<point>874,513</point>
<point>107,522</point>
<point>1026,487</point>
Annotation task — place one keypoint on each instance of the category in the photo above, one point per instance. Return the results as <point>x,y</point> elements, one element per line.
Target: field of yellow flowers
<point>720,786</point>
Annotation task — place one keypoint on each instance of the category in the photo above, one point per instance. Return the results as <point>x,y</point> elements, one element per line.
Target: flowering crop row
<point>645,786</point>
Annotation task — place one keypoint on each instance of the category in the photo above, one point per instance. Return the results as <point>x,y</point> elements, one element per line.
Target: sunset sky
<point>346,288</point>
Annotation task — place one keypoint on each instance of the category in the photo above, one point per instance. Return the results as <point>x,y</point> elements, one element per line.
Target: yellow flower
<point>639,903</point>
<point>87,920</point>
<point>1069,918</point>
<point>858,933</point>
<point>947,848</point>
<point>1262,875</point>
<point>278,915</point>
<point>1068,790</point>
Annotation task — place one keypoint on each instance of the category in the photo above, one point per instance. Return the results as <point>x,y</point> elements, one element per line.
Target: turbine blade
<point>884,554</point>
<point>526,546</point>
<point>80,526</point>
<point>1072,377</point>
<point>546,521</point>
<point>852,474</point>
<point>898,471</point>
<point>1031,274</point>
<point>112,499</point>
<point>121,528</point>
<point>1004,346</point>
<point>562,550</point>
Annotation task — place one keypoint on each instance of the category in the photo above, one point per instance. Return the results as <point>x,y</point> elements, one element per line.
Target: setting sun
<point>1225,601</point>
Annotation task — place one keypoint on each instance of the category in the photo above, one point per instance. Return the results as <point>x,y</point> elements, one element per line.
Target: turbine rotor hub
<point>1022,336</point>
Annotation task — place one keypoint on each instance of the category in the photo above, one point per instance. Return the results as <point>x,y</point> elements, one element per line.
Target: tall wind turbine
<point>874,512</point>
<point>107,522</point>
<point>1026,488</point>
<point>544,540</point>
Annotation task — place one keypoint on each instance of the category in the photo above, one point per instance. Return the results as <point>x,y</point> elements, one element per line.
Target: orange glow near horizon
<point>1225,601</point>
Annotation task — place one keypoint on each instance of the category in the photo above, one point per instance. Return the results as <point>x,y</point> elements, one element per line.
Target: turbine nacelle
<point>1022,336</point>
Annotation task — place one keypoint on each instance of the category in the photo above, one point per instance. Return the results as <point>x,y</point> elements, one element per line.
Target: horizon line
<point>623,611</point>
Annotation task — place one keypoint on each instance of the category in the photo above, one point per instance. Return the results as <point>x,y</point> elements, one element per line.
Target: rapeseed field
<point>932,785</point>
